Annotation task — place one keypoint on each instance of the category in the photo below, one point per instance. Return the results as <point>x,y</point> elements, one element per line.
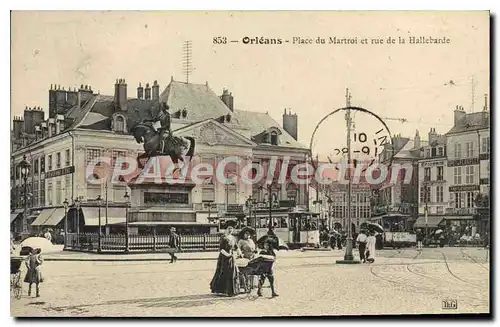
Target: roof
<point>198,99</point>
<point>258,122</point>
<point>472,122</point>
<point>408,151</point>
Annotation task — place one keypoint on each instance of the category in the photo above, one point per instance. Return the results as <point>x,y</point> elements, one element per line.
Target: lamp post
<point>25,169</point>
<point>127,201</point>
<point>270,199</point>
<point>66,203</point>
<point>99,244</point>
<point>348,256</point>
<point>77,207</point>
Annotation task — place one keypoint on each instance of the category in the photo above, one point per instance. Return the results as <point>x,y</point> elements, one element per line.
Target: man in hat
<point>174,243</point>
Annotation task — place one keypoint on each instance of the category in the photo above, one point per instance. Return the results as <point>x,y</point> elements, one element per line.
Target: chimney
<point>459,115</point>
<point>156,90</point>
<point>290,123</point>
<point>18,125</point>
<point>228,99</point>
<point>140,92</point>
<point>147,92</point>
<point>120,95</point>
<point>417,140</point>
<point>485,107</point>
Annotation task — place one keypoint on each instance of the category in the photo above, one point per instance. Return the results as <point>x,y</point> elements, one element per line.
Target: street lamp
<point>77,207</point>
<point>66,203</point>
<point>348,256</point>
<point>270,200</point>
<point>25,169</point>
<point>127,202</point>
<point>99,201</point>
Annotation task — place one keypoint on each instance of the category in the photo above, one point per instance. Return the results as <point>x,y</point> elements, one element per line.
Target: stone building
<point>83,126</point>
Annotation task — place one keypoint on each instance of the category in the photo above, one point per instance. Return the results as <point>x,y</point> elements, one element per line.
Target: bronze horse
<point>175,147</point>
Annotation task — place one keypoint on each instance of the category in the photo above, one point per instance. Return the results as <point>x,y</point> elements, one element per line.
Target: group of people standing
<point>366,242</point>
<point>227,279</point>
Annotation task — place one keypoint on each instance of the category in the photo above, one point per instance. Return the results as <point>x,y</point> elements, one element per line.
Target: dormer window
<point>274,138</point>
<point>228,118</point>
<point>119,124</point>
<point>184,113</point>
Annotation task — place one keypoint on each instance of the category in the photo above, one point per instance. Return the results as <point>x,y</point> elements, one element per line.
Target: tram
<point>398,230</point>
<point>297,228</point>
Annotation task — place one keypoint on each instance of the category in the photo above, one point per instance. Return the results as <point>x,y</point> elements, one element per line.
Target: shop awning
<point>115,216</point>
<point>55,218</point>
<point>432,221</point>
<point>43,217</point>
<point>13,216</point>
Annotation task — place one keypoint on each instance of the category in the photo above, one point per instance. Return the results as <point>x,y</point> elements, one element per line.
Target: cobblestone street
<point>309,283</point>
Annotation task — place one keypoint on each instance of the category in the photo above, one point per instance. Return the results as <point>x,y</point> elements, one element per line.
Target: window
<point>469,203</point>
<point>458,151</point>
<point>58,193</point>
<point>49,159</point>
<point>67,187</point>
<point>92,155</point>
<point>42,192</point>
<point>116,155</point>
<point>425,194</point>
<point>207,194</point>
<point>469,149</point>
<point>440,151</point>
<point>433,152</point>
<point>458,200</point>
<point>439,210</point>
<point>68,159</point>
<point>469,175</point>
<point>427,174</point>
<point>274,138</point>
<point>18,171</point>
<point>119,124</point>
<point>35,166</point>
<point>49,194</point>
<point>457,175</point>
<point>439,194</point>
<point>42,164</point>
<point>427,153</point>
<point>485,145</point>
<point>35,193</point>
<point>440,170</point>
<point>58,160</point>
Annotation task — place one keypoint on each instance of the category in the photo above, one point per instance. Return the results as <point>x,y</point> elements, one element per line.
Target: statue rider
<point>163,117</point>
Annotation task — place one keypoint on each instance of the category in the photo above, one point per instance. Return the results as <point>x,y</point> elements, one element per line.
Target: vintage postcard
<point>250,164</point>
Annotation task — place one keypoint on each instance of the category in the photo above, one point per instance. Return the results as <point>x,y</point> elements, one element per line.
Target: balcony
<point>461,211</point>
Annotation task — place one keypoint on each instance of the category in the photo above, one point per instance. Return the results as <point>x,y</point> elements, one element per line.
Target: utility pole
<point>348,256</point>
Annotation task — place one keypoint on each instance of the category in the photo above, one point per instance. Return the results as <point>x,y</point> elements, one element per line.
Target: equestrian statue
<point>162,142</point>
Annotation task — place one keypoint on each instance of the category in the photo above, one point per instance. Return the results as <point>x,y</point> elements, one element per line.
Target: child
<point>34,275</point>
<point>267,268</point>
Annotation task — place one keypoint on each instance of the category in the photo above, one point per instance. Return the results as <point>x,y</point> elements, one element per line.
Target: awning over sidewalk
<point>43,217</point>
<point>115,216</point>
<point>432,221</point>
<point>55,218</point>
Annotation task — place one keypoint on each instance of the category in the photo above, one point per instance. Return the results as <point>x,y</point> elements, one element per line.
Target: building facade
<point>83,126</point>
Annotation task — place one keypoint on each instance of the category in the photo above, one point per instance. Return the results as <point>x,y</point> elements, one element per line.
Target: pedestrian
<point>340,239</point>
<point>34,274</point>
<point>48,235</point>
<point>174,243</point>
<point>333,240</point>
<point>12,245</point>
<point>486,240</point>
<point>370,247</point>
<point>225,279</point>
<point>267,268</point>
<point>361,241</point>
<point>420,239</point>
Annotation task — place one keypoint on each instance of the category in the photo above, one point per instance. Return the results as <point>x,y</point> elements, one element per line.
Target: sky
<point>392,80</point>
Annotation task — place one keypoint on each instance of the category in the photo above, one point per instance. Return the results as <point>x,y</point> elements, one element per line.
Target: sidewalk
<point>190,256</point>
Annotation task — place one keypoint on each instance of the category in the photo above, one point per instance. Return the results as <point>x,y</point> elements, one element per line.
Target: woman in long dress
<point>34,275</point>
<point>225,280</point>
<point>370,247</point>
